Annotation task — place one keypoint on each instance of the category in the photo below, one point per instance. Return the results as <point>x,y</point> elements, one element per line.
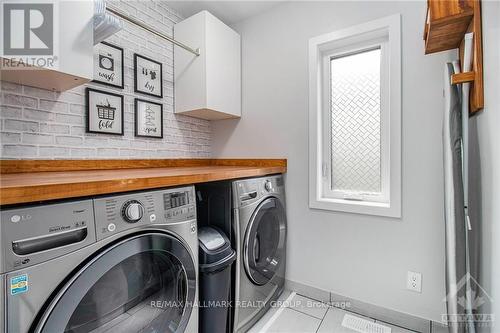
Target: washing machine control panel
<point>132,211</point>
<point>118,213</point>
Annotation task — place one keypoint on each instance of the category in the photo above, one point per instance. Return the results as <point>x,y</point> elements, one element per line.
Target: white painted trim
<point>380,44</point>
<point>389,27</point>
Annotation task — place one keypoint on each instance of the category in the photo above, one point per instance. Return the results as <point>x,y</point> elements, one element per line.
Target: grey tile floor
<point>299,314</point>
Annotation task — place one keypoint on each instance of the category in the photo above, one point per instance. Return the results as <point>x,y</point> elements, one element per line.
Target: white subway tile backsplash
<point>69,119</point>
<point>71,96</point>
<point>35,138</point>
<point>19,151</point>
<point>37,123</point>
<point>55,106</point>
<point>37,92</point>
<point>82,152</point>
<point>95,142</point>
<point>11,111</point>
<point>21,125</point>
<point>77,130</point>
<point>118,143</point>
<point>8,86</point>
<point>18,100</point>
<point>139,144</point>
<point>69,140</point>
<point>7,137</point>
<point>55,152</point>
<point>55,128</point>
<point>38,115</point>
<point>77,109</point>
<point>107,152</point>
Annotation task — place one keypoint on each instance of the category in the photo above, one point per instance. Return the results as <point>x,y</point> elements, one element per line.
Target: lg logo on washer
<point>28,30</point>
<point>19,218</point>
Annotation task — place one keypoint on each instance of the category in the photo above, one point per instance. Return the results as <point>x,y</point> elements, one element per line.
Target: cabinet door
<point>63,57</point>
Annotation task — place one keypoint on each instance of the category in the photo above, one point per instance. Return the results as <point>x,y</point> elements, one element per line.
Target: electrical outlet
<point>414,282</point>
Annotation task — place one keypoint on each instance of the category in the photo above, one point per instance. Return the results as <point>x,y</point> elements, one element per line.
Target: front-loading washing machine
<point>122,263</point>
<point>260,227</point>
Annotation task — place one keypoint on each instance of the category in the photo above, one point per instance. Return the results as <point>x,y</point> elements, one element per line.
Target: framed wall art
<point>148,119</point>
<point>108,65</point>
<point>148,76</point>
<point>104,112</point>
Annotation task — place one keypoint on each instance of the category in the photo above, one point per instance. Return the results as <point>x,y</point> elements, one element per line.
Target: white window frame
<point>385,34</point>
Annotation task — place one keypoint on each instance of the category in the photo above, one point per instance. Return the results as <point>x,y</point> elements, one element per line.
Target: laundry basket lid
<point>215,250</point>
<point>210,238</point>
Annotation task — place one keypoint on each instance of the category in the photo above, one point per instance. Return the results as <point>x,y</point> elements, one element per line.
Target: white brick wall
<point>37,123</point>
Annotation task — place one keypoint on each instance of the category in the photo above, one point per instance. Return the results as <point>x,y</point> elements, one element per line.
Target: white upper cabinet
<point>207,86</point>
<point>70,62</point>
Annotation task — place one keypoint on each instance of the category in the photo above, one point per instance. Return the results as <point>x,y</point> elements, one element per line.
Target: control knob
<point>132,211</point>
<point>268,186</point>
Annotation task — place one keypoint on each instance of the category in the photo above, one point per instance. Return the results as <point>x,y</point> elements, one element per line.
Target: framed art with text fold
<point>104,112</point>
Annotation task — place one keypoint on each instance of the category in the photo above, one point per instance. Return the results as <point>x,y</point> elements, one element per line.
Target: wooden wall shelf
<point>446,24</point>
<point>446,33</point>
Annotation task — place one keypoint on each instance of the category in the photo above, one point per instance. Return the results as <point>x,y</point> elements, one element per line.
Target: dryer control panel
<point>122,212</point>
<point>249,191</point>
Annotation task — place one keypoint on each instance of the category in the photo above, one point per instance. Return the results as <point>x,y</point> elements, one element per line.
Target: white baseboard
<point>366,309</point>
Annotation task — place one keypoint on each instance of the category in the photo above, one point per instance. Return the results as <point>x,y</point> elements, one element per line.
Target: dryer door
<point>264,246</point>
<point>143,283</point>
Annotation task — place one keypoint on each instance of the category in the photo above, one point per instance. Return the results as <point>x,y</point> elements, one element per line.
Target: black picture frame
<point>88,91</point>
<point>136,57</point>
<point>136,118</point>
<point>122,68</point>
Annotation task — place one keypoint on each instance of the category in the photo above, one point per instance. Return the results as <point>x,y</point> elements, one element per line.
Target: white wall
<point>488,124</point>
<point>363,257</point>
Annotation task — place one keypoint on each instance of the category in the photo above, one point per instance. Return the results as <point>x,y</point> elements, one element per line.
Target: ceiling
<point>229,12</point>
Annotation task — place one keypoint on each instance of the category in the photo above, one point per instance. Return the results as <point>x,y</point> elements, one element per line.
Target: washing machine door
<point>145,283</point>
<point>264,246</point>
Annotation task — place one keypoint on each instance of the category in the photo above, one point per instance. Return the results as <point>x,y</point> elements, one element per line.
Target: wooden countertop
<point>19,184</point>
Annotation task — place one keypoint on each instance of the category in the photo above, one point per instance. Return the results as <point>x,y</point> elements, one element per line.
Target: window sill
<point>356,207</point>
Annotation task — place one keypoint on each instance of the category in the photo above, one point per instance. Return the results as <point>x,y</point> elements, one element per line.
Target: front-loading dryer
<point>123,263</point>
<point>260,228</point>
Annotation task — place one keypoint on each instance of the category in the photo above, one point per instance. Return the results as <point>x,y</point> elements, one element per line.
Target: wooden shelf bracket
<point>463,77</point>
<point>446,24</point>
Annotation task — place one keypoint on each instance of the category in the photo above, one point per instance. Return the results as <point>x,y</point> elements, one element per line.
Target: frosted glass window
<point>356,123</point>
<point>355,119</point>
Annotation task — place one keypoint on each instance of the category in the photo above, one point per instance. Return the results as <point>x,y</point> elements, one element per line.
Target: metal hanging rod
<point>124,16</point>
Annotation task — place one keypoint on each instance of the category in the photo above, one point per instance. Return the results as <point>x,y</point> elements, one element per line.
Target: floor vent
<point>363,326</point>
